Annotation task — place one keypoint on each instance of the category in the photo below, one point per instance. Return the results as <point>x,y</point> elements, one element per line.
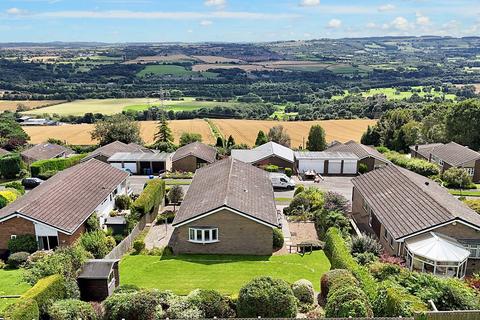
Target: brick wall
<point>236,235</point>
<point>14,226</point>
<point>281,163</point>
<point>65,240</point>
<point>188,164</point>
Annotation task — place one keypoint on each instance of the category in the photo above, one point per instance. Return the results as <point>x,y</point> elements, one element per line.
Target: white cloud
<point>422,20</point>
<point>400,23</point>
<point>309,3</point>
<point>215,3</point>
<point>206,23</point>
<point>334,24</point>
<point>15,11</point>
<point>386,7</point>
<point>371,25</point>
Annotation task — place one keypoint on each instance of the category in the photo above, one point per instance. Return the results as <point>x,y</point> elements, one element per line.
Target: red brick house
<point>229,209</point>
<point>56,211</point>
<point>193,156</point>
<point>44,151</point>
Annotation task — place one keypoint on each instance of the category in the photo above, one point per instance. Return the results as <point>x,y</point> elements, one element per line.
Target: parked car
<point>281,180</point>
<point>30,183</point>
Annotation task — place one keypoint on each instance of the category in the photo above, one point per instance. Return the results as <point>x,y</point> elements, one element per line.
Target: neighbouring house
<point>4,152</point>
<point>193,156</point>
<point>327,163</point>
<point>44,151</point>
<point>108,150</point>
<point>367,155</point>
<point>450,155</point>
<point>56,211</point>
<point>98,278</point>
<point>146,163</point>
<point>229,209</point>
<point>268,153</point>
<point>416,218</point>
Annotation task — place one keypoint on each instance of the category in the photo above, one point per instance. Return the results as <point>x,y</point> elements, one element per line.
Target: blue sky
<point>231,20</point>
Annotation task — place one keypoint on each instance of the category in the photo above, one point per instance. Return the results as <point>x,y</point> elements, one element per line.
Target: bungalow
<point>142,162</point>
<point>268,153</point>
<point>45,151</point>
<point>450,155</point>
<point>327,163</point>
<point>56,211</point>
<point>229,209</point>
<point>108,150</point>
<point>416,218</point>
<point>366,155</point>
<point>193,156</point>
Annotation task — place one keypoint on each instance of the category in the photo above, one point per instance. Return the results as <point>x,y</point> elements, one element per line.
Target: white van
<point>281,180</point>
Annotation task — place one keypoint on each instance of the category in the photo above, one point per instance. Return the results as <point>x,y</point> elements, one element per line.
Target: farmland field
<point>244,131</point>
<point>30,104</point>
<point>179,71</point>
<point>391,94</point>
<point>187,104</point>
<point>80,133</point>
<point>161,58</point>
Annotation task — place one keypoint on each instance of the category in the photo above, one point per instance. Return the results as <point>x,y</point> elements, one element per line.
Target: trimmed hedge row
<point>23,309</point>
<point>419,166</point>
<point>54,165</point>
<point>46,291</point>
<point>393,301</point>
<point>340,258</point>
<point>10,165</point>
<point>150,197</point>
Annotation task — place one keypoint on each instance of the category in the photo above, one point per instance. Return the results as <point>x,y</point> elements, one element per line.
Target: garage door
<point>349,166</point>
<point>130,166</point>
<point>307,165</point>
<point>334,166</point>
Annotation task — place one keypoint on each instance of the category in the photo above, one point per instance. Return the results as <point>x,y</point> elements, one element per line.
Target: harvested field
<point>159,58</point>
<point>215,59</point>
<point>30,104</point>
<point>80,133</point>
<point>245,131</point>
<point>246,67</point>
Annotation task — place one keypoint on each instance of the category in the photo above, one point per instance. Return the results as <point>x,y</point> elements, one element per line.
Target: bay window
<point>203,234</point>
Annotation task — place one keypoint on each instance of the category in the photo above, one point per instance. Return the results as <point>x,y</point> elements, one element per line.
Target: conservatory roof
<point>437,247</point>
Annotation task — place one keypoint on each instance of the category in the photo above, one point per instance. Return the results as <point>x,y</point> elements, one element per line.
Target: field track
<point>244,131</point>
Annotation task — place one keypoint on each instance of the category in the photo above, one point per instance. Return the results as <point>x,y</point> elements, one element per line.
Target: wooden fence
<point>450,315</point>
<point>127,244</point>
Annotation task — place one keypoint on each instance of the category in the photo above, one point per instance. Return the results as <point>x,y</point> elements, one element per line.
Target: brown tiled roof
<point>197,149</point>
<point>425,149</point>
<point>140,147</point>
<point>454,154</point>
<point>360,150</point>
<point>110,149</point>
<point>3,152</point>
<point>233,184</point>
<point>68,198</point>
<point>406,203</point>
<point>44,151</point>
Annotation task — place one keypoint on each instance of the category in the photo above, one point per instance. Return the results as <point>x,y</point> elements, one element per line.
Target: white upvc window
<point>470,171</point>
<point>203,234</point>
<point>365,205</point>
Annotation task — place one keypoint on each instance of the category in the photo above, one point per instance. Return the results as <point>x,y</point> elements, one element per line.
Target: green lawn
<point>187,104</point>
<point>11,284</point>
<point>225,273</point>
<point>464,193</point>
<point>178,182</point>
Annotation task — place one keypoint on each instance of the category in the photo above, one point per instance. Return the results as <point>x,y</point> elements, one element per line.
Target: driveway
<point>342,185</point>
<point>137,183</point>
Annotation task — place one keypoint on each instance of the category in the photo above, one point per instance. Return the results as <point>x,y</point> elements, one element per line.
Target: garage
<point>141,163</point>
<point>326,163</point>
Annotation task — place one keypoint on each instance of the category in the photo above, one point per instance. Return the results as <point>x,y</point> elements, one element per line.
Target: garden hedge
<point>348,301</point>
<point>10,165</point>
<point>340,258</point>
<point>8,196</point>
<point>335,277</point>
<point>393,301</point>
<point>46,291</point>
<point>25,242</point>
<point>420,166</point>
<point>58,164</point>
<point>211,302</point>
<point>23,309</point>
<point>71,309</point>
<point>151,197</point>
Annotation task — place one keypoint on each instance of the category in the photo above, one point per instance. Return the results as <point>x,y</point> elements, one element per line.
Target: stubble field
<point>244,131</point>
<point>12,105</point>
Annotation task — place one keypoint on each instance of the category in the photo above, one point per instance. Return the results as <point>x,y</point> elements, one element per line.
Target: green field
<point>224,273</point>
<point>11,284</point>
<point>174,70</point>
<point>187,104</point>
<point>392,94</point>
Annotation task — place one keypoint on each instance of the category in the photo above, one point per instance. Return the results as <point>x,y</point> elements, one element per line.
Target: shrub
<point>46,291</point>
<point>138,246</point>
<point>47,174</point>
<point>382,149</point>
<point>140,305</point>
<point>307,201</point>
<point>365,258</point>
<point>362,168</point>
<point>211,303</point>
<point>182,308</point>
<point>340,258</point>
<point>267,298</point>
<point>9,195</point>
<point>335,277</point>
<point>168,215</point>
<point>299,189</point>
<point>365,244</point>
<point>2,264</point>
<point>288,172</point>
<point>150,197</point>
<point>10,165</point>
<point>25,243</point>
<point>278,239</point>
<point>348,301</point>
<point>325,220</point>
<point>23,309</point>
<point>334,201</point>
<point>457,178</point>
<point>419,166</point>
<point>126,288</point>
<point>16,185</point>
<point>382,271</point>
<point>271,168</point>
<point>303,291</point>
<point>96,243</point>
<point>17,259</point>
<point>71,309</point>
<point>93,223</point>
<point>41,167</point>
<point>395,301</point>
<point>123,202</point>
<point>175,195</point>
<point>474,204</point>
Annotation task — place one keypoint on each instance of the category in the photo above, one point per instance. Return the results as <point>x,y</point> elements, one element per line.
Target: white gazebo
<point>438,254</point>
